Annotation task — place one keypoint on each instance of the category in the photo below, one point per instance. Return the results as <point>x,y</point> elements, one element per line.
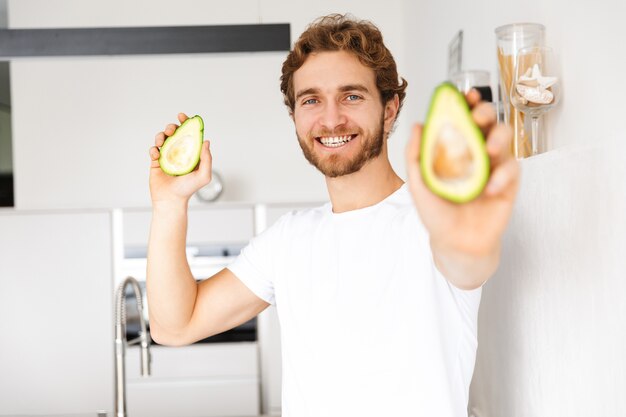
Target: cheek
<point>303,124</point>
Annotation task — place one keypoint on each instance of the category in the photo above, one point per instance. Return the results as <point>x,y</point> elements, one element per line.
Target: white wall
<point>587,34</point>
<point>552,323</point>
<point>552,326</point>
<point>86,123</point>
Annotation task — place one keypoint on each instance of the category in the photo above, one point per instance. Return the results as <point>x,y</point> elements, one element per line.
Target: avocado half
<point>453,155</point>
<point>180,152</point>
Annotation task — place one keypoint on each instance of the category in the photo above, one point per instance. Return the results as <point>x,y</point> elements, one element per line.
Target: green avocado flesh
<point>453,155</point>
<point>181,152</point>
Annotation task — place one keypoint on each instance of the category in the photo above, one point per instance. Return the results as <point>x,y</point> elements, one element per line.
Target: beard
<point>335,165</point>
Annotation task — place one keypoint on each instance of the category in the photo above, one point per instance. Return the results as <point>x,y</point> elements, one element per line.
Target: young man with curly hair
<point>377,291</point>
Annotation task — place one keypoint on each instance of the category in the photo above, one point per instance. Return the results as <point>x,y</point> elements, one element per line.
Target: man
<point>377,292</point>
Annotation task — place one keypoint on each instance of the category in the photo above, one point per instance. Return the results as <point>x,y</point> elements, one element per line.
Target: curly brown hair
<point>338,32</point>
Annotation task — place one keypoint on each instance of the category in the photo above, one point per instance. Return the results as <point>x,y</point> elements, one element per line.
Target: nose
<point>332,116</point>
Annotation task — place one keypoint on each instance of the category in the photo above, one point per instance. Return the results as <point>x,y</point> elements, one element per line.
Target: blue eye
<point>310,101</point>
<point>353,97</point>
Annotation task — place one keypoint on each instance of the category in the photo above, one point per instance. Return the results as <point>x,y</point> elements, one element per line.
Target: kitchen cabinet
<point>201,380</point>
<point>58,271</point>
<point>211,224</point>
<point>56,311</point>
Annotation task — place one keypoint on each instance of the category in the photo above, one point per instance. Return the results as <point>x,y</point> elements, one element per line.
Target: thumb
<point>413,147</point>
<point>206,161</point>
<point>414,173</point>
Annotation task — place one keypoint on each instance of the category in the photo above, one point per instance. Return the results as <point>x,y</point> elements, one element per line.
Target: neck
<point>374,182</point>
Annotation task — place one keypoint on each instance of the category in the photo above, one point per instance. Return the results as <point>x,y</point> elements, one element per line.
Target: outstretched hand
<point>471,229</point>
<point>164,187</point>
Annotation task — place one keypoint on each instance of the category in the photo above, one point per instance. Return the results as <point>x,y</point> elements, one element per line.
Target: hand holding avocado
<point>180,161</point>
<point>466,193</point>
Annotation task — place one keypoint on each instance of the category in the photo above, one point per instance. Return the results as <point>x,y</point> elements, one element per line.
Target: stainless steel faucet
<point>121,342</point>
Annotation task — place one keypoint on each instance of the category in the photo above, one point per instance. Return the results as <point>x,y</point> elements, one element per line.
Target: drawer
<point>216,360</point>
<point>156,397</point>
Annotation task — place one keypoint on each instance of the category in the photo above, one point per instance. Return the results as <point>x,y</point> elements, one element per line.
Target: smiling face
<point>340,120</point>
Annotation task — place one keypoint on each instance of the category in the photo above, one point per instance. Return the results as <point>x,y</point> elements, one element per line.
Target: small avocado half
<point>180,153</point>
<point>453,155</point>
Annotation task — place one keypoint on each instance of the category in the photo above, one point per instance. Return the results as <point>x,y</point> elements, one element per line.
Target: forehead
<point>329,70</point>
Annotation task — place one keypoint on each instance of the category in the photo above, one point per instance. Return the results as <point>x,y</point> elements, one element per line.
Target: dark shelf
<point>16,43</point>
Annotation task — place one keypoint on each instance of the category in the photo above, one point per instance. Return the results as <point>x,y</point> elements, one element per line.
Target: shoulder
<point>298,220</point>
<point>401,208</point>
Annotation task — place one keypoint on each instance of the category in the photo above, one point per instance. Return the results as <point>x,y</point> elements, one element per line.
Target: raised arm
<point>181,310</point>
<point>465,238</point>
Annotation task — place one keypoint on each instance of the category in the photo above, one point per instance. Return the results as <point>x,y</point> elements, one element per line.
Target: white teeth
<point>335,141</point>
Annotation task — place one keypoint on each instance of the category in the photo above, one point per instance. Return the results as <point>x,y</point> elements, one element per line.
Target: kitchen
<point>552,327</point>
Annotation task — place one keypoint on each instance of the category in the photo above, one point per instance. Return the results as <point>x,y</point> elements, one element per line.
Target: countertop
<point>95,415</point>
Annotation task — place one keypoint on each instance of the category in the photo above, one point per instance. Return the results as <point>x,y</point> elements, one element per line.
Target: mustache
<point>335,132</point>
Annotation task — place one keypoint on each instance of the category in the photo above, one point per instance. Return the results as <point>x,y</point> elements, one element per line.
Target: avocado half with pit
<point>453,155</point>
<point>180,152</point>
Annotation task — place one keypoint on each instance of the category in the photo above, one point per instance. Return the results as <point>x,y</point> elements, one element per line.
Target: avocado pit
<point>452,156</point>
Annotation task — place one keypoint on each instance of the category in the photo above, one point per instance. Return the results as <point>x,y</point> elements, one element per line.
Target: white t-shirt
<point>369,327</point>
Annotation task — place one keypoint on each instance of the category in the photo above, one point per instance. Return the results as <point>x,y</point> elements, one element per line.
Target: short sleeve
<point>255,264</point>
<point>467,301</point>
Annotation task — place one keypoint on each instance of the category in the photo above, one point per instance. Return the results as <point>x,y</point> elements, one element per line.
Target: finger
<point>154,157</point>
<point>170,129</point>
<point>499,144</point>
<point>413,147</point>
<point>182,117</point>
<point>504,177</point>
<point>159,139</point>
<point>154,153</point>
<point>206,161</point>
<point>413,160</point>
<point>473,97</point>
<point>484,114</point>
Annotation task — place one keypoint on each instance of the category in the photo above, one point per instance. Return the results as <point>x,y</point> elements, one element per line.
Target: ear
<point>391,112</point>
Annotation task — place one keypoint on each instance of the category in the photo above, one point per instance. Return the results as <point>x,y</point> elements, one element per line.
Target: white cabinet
<point>57,278</point>
<point>56,312</point>
<point>210,224</point>
<point>201,380</point>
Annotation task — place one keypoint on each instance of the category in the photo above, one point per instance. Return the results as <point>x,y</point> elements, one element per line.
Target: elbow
<point>165,338</point>
<point>470,285</point>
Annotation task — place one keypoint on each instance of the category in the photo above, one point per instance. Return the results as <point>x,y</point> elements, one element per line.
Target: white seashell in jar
<point>534,95</point>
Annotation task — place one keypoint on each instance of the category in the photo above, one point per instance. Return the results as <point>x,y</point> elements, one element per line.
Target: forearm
<point>466,270</point>
<point>171,287</point>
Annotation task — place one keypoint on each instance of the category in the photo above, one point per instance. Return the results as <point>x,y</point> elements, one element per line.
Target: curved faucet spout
<point>121,342</point>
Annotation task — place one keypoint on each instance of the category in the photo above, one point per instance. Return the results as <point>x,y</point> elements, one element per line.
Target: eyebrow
<point>306,91</point>
<point>343,89</point>
<point>354,87</point>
